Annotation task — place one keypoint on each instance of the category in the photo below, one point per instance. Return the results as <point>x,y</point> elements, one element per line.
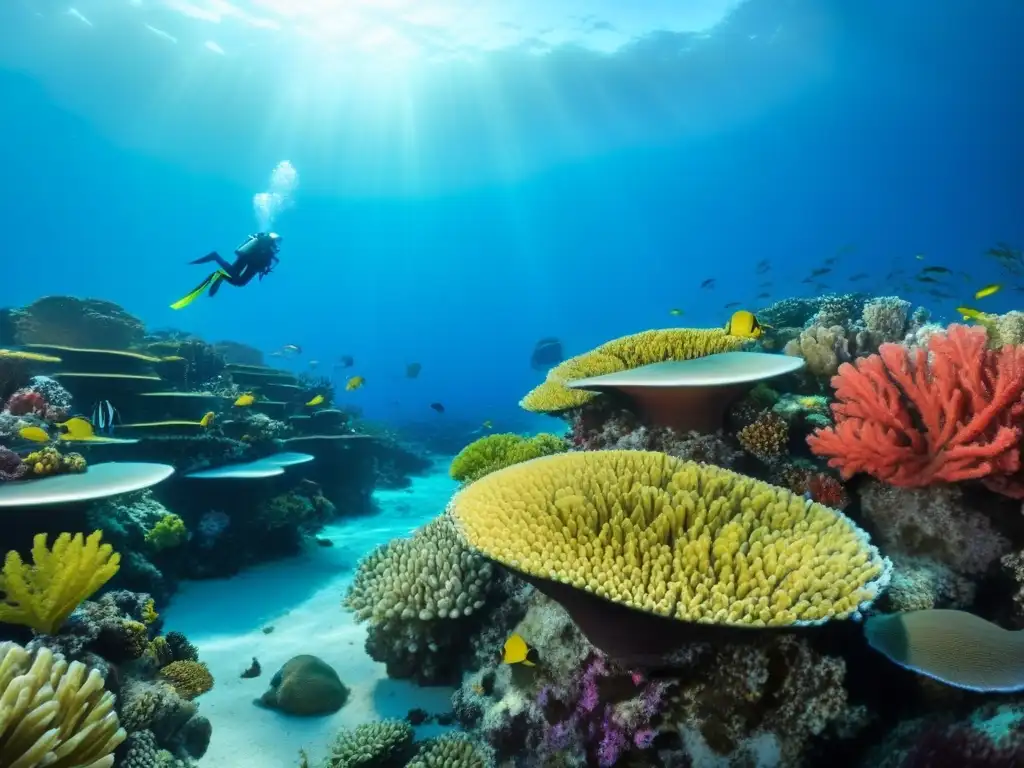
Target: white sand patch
<point>301,599</point>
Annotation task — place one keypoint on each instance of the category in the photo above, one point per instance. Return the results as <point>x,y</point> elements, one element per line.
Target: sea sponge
<point>623,354</point>
<point>673,538</point>
<point>305,685</point>
<point>169,532</point>
<point>766,437</point>
<point>44,594</point>
<point>54,713</point>
<point>189,678</point>
<point>429,576</point>
<point>386,743</point>
<point>452,750</point>
<point>493,452</point>
<point>886,319</point>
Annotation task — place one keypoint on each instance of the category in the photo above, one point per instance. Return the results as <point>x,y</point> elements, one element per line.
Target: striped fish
<point>103,417</point>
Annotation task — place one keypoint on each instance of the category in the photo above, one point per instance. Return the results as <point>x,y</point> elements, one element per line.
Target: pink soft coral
<point>914,417</point>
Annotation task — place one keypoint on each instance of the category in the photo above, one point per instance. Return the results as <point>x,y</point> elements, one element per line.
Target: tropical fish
<point>317,399</point>
<point>291,349</point>
<point>709,283</point>
<point>732,304</point>
<point>245,400</point>
<point>675,312</point>
<point>820,271</point>
<point>77,428</point>
<point>925,279</point>
<point>439,407</point>
<point>103,416</point>
<point>346,361</point>
<point>546,353</point>
<point>763,296</point>
<point>354,383</point>
<point>988,290</point>
<point>35,434</point>
<point>744,325</point>
<point>207,420</point>
<point>412,370</point>
<point>936,271</point>
<point>314,363</point>
<point>517,651</point>
<point>487,425</point>
<point>969,313</point>
<point>919,256</point>
<point>763,266</point>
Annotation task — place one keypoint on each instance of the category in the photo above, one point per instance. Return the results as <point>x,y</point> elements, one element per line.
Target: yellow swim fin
<point>184,301</point>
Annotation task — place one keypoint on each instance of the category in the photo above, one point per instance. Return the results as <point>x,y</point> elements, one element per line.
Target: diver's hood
<point>274,236</point>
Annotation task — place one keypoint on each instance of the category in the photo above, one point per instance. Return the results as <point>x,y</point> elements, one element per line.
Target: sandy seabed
<point>301,599</point>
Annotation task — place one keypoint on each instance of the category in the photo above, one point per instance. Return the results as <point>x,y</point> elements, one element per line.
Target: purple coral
<point>11,465</point>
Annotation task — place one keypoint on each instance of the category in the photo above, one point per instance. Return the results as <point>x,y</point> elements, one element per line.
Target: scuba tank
<point>247,246</point>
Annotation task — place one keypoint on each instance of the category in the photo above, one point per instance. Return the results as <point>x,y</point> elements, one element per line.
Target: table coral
<point>672,538</point>
<point>918,417</point>
<point>74,322</point>
<point>623,354</point>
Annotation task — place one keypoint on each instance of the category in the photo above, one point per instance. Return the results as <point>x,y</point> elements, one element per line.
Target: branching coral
<point>672,538</point>
<point>912,418</point>
<point>42,595</point>
<point>623,354</point>
<point>385,743</point>
<point>765,437</point>
<point>417,594</point>
<point>54,713</point>
<point>493,452</point>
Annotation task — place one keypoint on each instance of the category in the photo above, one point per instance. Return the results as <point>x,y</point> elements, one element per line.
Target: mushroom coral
<point>655,535</point>
<point>623,354</point>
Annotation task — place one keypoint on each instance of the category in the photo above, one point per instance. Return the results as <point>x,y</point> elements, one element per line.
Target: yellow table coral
<point>673,538</point>
<point>624,354</point>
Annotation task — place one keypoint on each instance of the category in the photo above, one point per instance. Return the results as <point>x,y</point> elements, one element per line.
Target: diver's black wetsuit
<point>256,256</point>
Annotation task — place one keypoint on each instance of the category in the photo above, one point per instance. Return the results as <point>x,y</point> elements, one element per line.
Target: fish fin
<point>196,292</point>
<point>532,658</point>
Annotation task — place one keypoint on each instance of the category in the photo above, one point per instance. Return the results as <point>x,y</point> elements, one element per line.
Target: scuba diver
<point>256,256</point>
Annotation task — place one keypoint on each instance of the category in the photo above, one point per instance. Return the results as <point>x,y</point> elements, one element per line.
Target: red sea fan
<point>914,417</point>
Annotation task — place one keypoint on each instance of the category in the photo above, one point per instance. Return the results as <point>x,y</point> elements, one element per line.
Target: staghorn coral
<point>933,522</point>
<point>823,348</point>
<point>189,678</point>
<point>672,538</point>
<point>385,744</point>
<point>916,417</point>
<point>54,713</point>
<point>622,354</point>
<point>493,452</point>
<point>452,750</point>
<point>418,594</point>
<point>766,437</point>
<point>44,594</point>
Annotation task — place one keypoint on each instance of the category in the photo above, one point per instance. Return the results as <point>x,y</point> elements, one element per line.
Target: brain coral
<point>624,354</point>
<point>673,538</point>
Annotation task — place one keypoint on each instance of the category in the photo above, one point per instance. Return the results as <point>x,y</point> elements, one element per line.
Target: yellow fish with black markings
<point>744,325</point>
<point>517,651</point>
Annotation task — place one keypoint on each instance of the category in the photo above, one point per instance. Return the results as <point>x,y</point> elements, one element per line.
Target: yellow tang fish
<point>988,290</point>
<point>517,651</point>
<point>744,325</point>
<point>77,428</point>
<point>316,400</point>
<point>207,420</point>
<point>354,383</point>
<point>244,400</point>
<point>35,434</point>
<point>968,313</point>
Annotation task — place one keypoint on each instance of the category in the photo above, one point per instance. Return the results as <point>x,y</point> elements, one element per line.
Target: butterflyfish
<point>988,290</point>
<point>245,400</point>
<point>207,421</point>
<point>517,651</point>
<point>744,325</point>
<point>35,434</point>
<point>354,383</point>
<point>315,401</point>
<point>77,428</point>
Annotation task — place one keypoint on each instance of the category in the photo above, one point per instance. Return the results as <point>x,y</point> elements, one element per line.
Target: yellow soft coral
<point>502,450</point>
<point>149,614</point>
<point>44,594</point>
<point>623,354</point>
<point>674,538</point>
<point>189,678</point>
<point>169,531</point>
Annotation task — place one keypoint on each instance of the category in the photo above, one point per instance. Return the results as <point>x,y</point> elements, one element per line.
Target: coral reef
<point>423,597</point>
<point>385,744</point>
<point>73,322</point>
<point>823,348</point>
<point>490,453</point>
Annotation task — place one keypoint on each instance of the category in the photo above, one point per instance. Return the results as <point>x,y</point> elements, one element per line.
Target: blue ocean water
<point>459,200</point>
